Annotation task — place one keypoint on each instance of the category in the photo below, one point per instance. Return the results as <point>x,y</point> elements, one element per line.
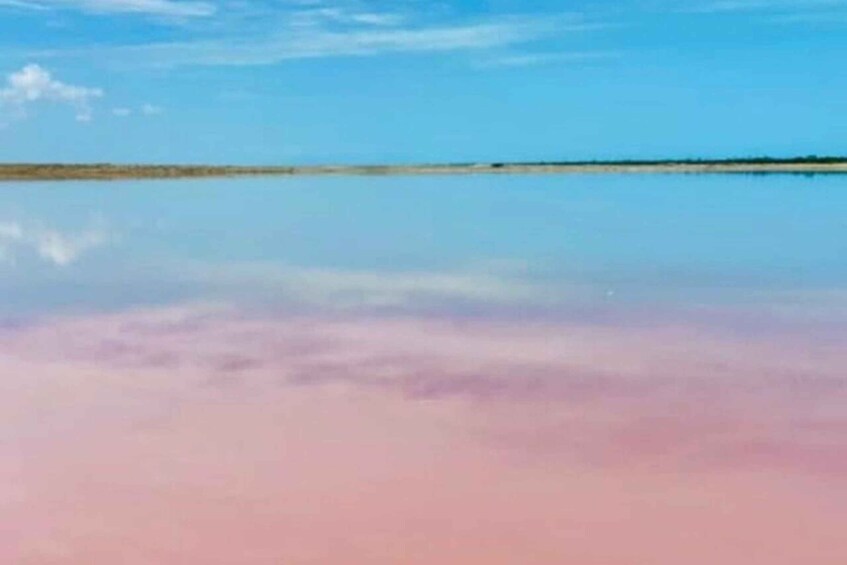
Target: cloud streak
<point>539,59</point>
<point>316,38</point>
<point>733,6</point>
<point>165,8</point>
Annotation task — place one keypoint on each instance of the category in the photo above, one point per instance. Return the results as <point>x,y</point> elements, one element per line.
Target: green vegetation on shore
<point>761,165</point>
<point>805,160</point>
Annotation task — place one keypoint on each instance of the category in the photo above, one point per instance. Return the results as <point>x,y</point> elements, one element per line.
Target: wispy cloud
<point>778,12</point>
<point>168,8</point>
<point>344,15</point>
<point>719,6</point>
<point>367,36</point>
<point>33,84</point>
<point>150,110</point>
<point>817,17</point>
<point>536,59</point>
<point>21,4</point>
<point>143,110</point>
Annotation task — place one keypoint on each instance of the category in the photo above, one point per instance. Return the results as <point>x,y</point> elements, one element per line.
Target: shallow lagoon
<point>548,370</point>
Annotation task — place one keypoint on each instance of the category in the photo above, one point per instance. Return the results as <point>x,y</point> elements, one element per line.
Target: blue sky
<point>309,81</point>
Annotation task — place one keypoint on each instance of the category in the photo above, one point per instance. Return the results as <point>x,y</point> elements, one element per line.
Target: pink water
<point>206,435</point>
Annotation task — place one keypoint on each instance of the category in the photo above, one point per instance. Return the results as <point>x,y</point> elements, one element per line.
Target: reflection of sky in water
<point>586,370</point>
<point>659,237</point>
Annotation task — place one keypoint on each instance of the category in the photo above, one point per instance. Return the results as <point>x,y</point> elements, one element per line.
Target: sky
<point>371,81</point>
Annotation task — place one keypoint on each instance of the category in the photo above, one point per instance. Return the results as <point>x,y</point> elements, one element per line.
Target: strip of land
<point>804,165</point>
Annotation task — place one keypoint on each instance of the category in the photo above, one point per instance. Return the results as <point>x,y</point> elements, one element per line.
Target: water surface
<point>551,370</point>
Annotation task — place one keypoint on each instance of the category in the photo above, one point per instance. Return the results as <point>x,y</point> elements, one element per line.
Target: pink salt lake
<point>257,396</point>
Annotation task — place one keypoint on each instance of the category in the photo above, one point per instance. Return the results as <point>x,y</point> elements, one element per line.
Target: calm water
<point>543,370</point>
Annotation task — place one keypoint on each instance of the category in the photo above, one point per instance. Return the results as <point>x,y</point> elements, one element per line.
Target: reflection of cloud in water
<point>50,245</point>
<point>353,289</point>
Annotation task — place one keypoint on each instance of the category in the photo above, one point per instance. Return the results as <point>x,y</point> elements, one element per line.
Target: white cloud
<point>121,112</point>
<point>33,84</point>
<point>50,245</point>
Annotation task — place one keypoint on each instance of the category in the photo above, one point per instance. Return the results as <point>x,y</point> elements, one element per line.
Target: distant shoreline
<point>43,172</point>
